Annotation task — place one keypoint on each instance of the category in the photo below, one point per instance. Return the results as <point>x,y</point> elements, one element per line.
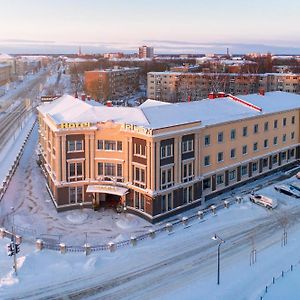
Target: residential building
<point>160,159</point>
<point>5,73</point>
<point>182,86</point>
<point>146,52</point>
<point>111,84</point>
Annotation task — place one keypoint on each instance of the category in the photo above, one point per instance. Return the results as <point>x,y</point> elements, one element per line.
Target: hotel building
<point>160,159</point>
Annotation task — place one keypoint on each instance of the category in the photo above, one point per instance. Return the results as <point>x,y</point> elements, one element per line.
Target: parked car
<point>263,201</point>
<point>288,190</point>
<point>298,175</point>
<point>295,185</point>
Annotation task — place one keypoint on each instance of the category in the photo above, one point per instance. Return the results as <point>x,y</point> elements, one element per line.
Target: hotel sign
<point>137,129</point>
<point>75,125</point>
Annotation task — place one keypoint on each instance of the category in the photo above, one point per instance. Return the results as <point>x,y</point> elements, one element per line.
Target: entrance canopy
<point>107,189</point>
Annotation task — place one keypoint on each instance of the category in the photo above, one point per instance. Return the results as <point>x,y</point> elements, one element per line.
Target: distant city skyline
<point>61,26</point>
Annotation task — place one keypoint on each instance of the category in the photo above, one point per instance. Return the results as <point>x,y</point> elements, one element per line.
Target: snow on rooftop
<point>4,56</point>
<point>155,114</point>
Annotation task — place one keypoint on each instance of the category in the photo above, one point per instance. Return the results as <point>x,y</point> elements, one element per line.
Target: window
<point>244,170</point>
<point>293,119</point>
<point>266,126</point>
<point>284,122</point>
<point>255,146</point>
<point>232,153</point>
<point>232,174</point>
<point>206,183</point>
<point>75,146</point>
<point>266,142</point>
<point>188,194</point>
<point>255,128</point>
<point>139,201</point>
<point>254,167</point>
<point>207,140</point>
<point>220,179</point>
<point>220,156</point>
<point>292,152</point>
<point>166,151</point>
<point>75,171</point>
<point>275,140</point>
<point>274,159</point>
<point>265,162</point>
<point>292,135</point>
<point>187,171</point>
<point>139,177</point>
<point>166,202</point>
<point>207,160</point>
<point>275,124</point>
<point>187,146</point>
<point>284,138</point>
<point>108,145</point>
<point>139,150</point>
<point>283,155</point>
<point>166,179</point>
<point>244,150</point>
<point>75,195</point>
<point>245,131</point>
<point>232,134</point>
<point>220,137</point>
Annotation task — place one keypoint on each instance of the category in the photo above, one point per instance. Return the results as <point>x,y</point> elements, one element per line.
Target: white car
<point>298,175</point>
<point>264,201</point>
<point>289,190</point>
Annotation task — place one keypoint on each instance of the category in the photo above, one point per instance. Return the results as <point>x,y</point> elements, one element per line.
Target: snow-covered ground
<point>178,265</point>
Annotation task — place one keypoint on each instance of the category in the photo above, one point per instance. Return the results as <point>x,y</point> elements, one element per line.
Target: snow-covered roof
<point>155,114</point>
<point>4,56</point>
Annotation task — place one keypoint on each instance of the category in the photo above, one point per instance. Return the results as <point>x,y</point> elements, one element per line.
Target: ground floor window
<point>139,201</point>
<point>292,153</point>
<point>220,179</point>
<point>75,195</point>
<point>244,170</point>
<point>188,194</point>
<point>265,162</point>
<point>166,202</point>
<point>206,183</point>
<point>274,159</point>
<point>283,155</point>
<point>232,175</point>
<point>254,166</point>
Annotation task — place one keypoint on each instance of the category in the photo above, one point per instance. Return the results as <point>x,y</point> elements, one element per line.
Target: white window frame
<point>75,146</point>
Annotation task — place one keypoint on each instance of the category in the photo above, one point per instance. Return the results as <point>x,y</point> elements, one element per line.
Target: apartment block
<point>111,84</point>
<point>182,86</point>
<point>146,52</point>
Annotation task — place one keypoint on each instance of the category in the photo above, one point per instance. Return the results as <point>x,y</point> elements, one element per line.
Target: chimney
<point>109,103</point>
<point>261,92</point>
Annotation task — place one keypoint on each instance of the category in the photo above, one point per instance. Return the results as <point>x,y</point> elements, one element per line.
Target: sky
<point>171,26</point>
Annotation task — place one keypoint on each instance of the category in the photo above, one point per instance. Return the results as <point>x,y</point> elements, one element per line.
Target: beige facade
<point>111,84</point>
<point>156,172</point>
<point>5,73</point>
<point>182,86</point>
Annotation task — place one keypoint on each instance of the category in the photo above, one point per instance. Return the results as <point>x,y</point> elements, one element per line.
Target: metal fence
<point>45,241</point>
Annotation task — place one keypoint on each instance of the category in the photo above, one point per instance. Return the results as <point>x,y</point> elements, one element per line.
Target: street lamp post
<point>220,241</point>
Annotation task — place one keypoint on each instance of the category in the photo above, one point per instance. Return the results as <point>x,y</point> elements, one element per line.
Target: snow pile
<point>77,217</point>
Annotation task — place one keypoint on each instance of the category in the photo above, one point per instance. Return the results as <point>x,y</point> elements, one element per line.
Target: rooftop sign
<point>137,129</point>
<point>75,125</point>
